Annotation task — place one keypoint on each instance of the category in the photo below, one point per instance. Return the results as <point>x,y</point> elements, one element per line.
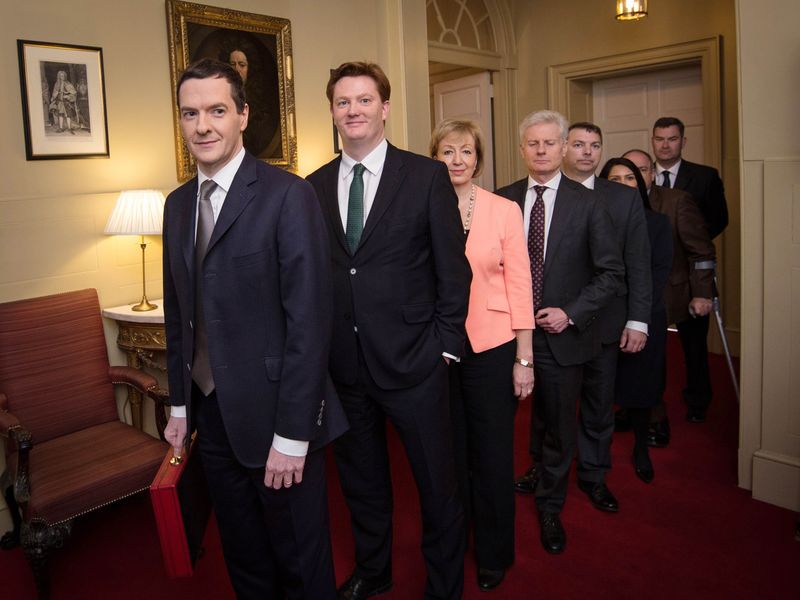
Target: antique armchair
<point>67,452</point>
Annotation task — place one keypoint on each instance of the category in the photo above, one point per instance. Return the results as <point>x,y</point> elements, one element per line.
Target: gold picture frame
<point>198,31</point>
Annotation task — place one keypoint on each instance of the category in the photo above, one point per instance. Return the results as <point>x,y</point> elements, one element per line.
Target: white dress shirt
<point>549,198</point>
<point>373,169</point>
<point>224,179</point>
<point>673,173</point>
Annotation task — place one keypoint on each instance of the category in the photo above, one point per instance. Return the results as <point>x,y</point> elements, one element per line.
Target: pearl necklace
<point>470,208</point>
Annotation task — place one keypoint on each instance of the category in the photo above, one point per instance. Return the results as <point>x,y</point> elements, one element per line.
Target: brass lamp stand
<point>138,212</point>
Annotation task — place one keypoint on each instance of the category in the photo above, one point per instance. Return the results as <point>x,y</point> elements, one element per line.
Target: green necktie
<point>355,209</point>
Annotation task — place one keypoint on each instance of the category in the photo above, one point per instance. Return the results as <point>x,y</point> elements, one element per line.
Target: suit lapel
<point>562,211</point>
<point>238,197</point>
<point>188,215</point>
<point>655,198</point>
<point>391,178</point>
<point>684,176</point>
<point>330,200</point>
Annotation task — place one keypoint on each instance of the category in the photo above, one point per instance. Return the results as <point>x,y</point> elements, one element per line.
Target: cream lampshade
<point>138,212</point>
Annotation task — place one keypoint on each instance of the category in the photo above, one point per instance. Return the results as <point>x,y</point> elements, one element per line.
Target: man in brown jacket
<point>689,290</point>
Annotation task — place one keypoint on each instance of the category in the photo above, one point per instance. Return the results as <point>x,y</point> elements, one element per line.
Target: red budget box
<point>182,507</point>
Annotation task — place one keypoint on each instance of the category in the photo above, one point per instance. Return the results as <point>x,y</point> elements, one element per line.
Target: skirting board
<point>776,479</point>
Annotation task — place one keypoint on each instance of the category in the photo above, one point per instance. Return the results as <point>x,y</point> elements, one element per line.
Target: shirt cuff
<point>637,326</point>
<point>289,447</point>
<point>177,411</point>
<point>451,357</point>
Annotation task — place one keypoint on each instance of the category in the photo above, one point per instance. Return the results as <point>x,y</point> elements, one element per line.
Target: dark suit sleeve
<point>306,292</point>
<point>716,206</point>
<point>608,270</point>
<point>636,257</point>
<point>661,254</point>
<point>453,274</point>
<point>172,311</point>
<point>693,235</point>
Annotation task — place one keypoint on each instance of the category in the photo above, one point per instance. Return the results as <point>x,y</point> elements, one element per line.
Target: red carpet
<point>690,534</point>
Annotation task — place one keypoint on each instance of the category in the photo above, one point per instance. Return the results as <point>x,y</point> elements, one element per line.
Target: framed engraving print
<point>63,100</point>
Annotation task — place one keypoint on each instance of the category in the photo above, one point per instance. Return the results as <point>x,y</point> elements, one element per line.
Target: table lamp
<point>138,212</point>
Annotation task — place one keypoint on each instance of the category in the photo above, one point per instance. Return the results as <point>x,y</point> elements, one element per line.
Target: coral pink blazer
<point>501,297</point>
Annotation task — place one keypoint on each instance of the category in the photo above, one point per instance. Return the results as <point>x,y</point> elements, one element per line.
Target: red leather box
<point>182,507</point>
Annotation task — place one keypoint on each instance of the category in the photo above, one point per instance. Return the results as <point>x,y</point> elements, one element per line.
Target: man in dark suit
<point>622,325</point>
<point>705,187</point>
<point>689,290</point>
<point>248,316</point>
<point>401,283</point>
<point>701,182</point>
<point>576,270</point>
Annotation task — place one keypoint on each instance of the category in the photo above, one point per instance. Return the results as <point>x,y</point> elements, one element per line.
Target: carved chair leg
<point>10,539</point>
<point>38,540</point>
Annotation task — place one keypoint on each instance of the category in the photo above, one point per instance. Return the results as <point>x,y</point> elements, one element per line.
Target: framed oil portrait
<point>63,100</point>
<point>260,49</point>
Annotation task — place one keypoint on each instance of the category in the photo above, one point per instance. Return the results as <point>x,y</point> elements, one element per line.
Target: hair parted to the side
<point>544,116</point>
<point>207,68</point>
<point>360,69</point>
<point>448,126</point>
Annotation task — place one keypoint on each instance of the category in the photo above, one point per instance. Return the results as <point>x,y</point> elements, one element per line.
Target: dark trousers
<point>597,415</point>
<point>483,407</point>
<point>694,340</point>
<point>556,392</point>
<point>276,543</point>
<point>421,416</point>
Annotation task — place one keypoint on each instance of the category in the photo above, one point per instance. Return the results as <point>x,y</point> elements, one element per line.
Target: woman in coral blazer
<point>497,367</point>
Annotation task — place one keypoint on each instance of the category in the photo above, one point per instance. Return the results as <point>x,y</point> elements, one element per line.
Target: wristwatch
<point>523,362</point>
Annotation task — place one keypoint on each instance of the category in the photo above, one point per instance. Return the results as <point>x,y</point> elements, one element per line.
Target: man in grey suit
<point>622,325</point>
<point>576,270</point>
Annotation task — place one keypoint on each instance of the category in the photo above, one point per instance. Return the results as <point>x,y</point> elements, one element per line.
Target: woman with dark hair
<point>496,369</point>
<point>641,376</point>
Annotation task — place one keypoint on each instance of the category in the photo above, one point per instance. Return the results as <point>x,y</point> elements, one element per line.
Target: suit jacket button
<point>319,422</point>
<point>352,271</point>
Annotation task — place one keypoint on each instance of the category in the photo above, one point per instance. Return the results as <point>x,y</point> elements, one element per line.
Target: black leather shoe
<point>357,588</point>
<point>600,495</point>
<point>643,466</point>
<point>488,579</point>
<point>696,415</point>
<point>552,534</point>
<point>658,434</point>
<point>526,484</point>
<point>622,420</point>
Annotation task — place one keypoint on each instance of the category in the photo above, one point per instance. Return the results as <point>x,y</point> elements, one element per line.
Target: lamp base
<point>144,306</point>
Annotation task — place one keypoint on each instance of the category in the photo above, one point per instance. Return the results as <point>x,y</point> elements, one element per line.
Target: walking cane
<point>715,303</point>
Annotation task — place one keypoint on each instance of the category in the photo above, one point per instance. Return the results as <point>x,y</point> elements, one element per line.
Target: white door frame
<point>567,87</point>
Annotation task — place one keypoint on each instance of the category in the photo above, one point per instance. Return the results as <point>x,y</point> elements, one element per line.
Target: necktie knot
<point>666,182</point>
<point>540,190</point>
<point>358,170</point>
